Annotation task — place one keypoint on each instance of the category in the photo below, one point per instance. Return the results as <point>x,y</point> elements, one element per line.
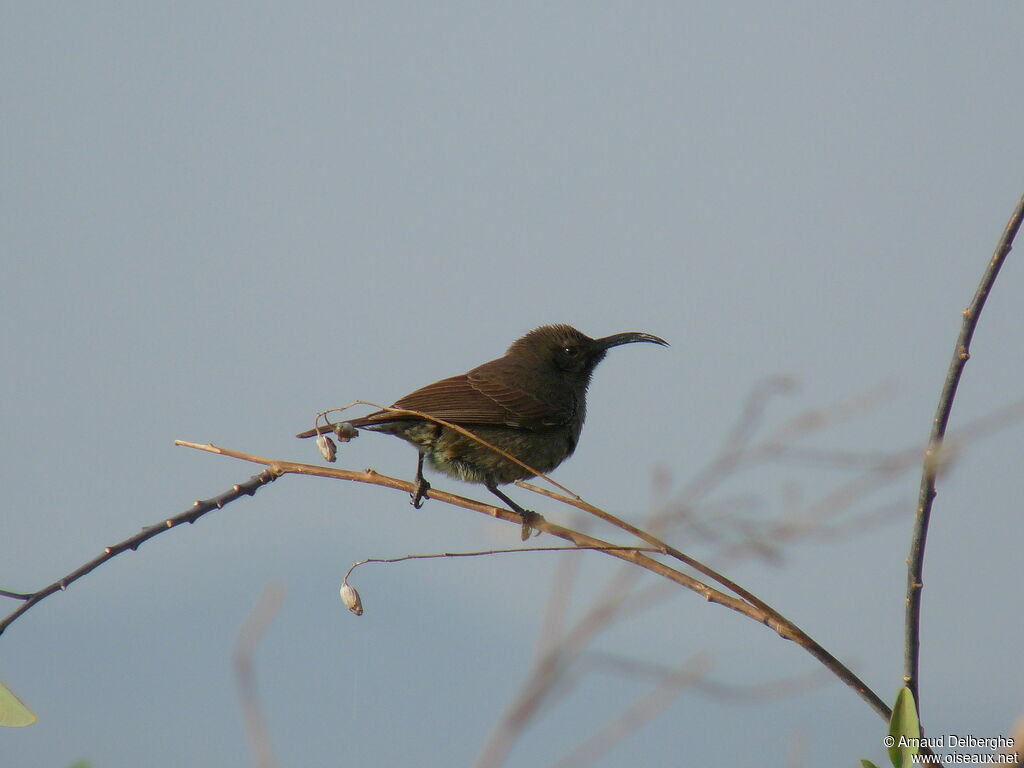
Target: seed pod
<point>350,598</point>
<point>327,447</point>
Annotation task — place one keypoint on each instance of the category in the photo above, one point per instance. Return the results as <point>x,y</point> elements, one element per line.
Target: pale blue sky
<point>219,218</point>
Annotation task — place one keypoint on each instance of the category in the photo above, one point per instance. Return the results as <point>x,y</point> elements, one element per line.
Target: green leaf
<point>904,723</point>
<point>867,764</point>
<point>13,711</point>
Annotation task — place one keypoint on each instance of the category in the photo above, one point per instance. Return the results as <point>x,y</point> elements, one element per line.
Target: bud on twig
<point>350,598</point>
<point>327,447</point>
<point>344,431</point>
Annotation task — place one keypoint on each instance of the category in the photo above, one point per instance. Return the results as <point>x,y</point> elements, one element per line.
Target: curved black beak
<point>628,338</point>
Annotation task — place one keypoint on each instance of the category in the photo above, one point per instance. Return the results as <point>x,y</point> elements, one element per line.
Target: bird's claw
<point>419,493</point>
<point>529,518</point>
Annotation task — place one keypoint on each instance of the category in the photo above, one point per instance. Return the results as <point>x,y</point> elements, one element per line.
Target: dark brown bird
<point>531,403</point>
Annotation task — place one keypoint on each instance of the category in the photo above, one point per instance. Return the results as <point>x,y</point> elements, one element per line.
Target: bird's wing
<point>456,399</point>
<point>528,407</point>
<point>493,393</point>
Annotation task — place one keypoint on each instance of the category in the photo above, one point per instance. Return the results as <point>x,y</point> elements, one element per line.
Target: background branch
<point>249,636</point>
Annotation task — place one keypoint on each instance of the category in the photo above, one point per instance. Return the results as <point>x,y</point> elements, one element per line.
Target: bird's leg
<point>527,515</point>
<point>419,493</point>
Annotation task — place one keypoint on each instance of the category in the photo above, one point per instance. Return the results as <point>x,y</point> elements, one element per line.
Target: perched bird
<point>531,403</point>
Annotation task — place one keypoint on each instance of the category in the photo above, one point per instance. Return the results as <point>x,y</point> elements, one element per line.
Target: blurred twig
<point>646,707</point>
<point>667,683</point>
<point>751,693</point>
<point>249,636</point>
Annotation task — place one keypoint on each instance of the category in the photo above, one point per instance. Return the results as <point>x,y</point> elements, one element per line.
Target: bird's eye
<point>570,351</point>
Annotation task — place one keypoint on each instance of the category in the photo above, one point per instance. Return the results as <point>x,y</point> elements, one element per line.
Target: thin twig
<point>197,510</point>
<point>961,353</point>
<point>486,552</point>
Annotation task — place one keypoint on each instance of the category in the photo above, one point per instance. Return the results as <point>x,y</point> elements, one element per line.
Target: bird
<point>531,403</point>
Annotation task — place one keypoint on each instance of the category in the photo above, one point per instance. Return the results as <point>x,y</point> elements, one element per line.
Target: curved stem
<point>933,459</point>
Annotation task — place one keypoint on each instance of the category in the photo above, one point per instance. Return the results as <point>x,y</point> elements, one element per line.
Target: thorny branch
<point>197,510</point>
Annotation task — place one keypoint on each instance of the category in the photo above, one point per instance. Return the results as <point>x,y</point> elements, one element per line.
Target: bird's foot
<point>419,493</point>
<point>529,518</point>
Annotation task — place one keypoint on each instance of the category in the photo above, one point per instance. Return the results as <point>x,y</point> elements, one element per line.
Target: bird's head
<point>570,351</point>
